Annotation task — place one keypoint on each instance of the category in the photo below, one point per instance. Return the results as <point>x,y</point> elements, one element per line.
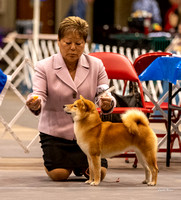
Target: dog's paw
<point>94,183</point>
<point>151,183</point>
<point>145,182</point>
<point>89,181</point>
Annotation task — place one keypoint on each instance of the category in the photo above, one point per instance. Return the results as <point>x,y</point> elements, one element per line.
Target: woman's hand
<point>34,103</point>
<point>106,102</point>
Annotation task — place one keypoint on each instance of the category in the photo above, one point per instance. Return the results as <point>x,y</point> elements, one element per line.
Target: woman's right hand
<point>34,103</point>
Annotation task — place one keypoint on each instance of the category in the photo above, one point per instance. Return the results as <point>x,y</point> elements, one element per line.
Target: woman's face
<point>71,47</point>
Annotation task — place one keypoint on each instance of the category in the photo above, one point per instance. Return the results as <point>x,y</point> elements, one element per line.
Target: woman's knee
<point>59,174</point>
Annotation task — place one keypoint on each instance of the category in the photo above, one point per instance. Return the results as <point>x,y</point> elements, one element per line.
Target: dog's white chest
<point>76,129</point>
<point>79,136</point>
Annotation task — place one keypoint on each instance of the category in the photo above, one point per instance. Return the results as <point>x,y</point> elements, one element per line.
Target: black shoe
<point>78,172</point>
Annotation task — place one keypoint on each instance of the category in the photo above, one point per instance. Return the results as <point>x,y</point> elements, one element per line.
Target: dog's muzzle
<point>64,107</point>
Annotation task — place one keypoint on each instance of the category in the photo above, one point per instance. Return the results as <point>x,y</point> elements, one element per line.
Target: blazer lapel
<point>82,71</point>
<point>62,72</point>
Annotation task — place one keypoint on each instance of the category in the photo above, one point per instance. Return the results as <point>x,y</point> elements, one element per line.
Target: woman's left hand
<point>106,102</point>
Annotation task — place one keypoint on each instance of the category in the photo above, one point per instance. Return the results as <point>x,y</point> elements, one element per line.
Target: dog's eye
<point>75,106</point>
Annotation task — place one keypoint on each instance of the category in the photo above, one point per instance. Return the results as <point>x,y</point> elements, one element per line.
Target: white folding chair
<point>6,82</point>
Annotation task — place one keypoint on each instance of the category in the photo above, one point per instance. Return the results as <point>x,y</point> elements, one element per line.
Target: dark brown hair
<point>75,25</point>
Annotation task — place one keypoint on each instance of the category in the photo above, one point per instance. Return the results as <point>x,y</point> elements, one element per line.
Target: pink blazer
<point>54,85</point>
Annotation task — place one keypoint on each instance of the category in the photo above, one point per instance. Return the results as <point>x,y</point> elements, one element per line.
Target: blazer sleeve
<point>39,85</point>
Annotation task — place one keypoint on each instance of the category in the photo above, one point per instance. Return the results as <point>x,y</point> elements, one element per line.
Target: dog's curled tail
<point>132,119</point>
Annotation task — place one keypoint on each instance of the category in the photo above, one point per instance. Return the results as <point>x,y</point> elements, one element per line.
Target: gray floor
<point>22,175</point>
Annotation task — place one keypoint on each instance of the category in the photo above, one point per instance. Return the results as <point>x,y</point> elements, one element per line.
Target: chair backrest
<point>143,61</point>
<point>119,67</point>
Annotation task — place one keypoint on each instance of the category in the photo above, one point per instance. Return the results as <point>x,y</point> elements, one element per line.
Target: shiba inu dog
<point>106,139</point>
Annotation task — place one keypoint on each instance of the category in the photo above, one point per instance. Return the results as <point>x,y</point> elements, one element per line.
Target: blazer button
<point>74,95</point>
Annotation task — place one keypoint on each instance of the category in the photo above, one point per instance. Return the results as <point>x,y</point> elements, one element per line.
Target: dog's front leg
<point>96,166</point>
<point>91,176</point>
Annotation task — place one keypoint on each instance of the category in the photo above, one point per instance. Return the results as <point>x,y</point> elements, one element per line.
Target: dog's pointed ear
<point>86,107</point>
<point>81,97</point>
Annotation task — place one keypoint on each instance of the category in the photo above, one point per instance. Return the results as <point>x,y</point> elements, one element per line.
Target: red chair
<point>140,64</point>
<point>144,60</point>
<point>119,67</point>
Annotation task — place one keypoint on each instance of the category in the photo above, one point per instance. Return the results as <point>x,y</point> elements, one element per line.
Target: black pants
<point>62,153</point>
